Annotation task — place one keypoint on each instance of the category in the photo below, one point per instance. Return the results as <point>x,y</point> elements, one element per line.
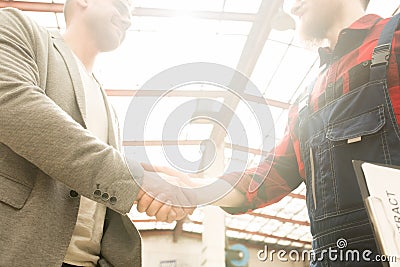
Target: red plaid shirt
<point>347,67</point>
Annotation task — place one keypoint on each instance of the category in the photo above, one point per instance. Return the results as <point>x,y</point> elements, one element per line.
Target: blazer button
<point>105,196</point>
<point>73,194</point>
<point>113,200</point>
<point>97,193</point>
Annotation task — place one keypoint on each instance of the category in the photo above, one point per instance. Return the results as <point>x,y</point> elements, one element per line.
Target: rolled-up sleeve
<point>274,178</point>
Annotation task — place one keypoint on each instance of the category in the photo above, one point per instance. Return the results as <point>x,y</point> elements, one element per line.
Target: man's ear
<point>82,3</point>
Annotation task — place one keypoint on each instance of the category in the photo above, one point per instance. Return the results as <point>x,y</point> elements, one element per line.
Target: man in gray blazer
<point>65,188</point>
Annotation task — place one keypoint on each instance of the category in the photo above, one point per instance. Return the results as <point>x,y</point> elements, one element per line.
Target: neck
<point>78,39</point>
<point>350,12</point>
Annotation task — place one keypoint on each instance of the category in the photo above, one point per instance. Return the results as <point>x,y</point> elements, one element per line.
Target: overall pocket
<point>362,137</point>
<point>334,188</point>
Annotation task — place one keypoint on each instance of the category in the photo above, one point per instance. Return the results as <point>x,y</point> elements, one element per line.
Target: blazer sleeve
<point>37,129</point>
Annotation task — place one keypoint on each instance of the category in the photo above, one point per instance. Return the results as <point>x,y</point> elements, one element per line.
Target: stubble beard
<point>312,34</point>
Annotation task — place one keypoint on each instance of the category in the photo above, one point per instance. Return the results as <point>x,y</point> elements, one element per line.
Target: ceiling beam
<point>191,143</point>
<point>163,143</point>
<point>34,6</point>
<point>280,238</point>
<point>196,94</point>
<point>158,12</point>
<point>251,52</point>
<point>266,216</point>
<point>139,11</point>
<point>299,196</point>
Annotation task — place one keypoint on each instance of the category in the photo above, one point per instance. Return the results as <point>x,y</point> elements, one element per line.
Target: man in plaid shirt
<point>351,111</point>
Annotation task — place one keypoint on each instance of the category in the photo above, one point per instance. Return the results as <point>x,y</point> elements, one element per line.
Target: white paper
<point>384,207</point>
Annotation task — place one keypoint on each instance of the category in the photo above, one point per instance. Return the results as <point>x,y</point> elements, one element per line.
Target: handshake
<point>167,194</point>
<point>171,195</point>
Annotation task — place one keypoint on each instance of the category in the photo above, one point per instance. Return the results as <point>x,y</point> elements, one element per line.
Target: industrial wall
<point>159,250</point>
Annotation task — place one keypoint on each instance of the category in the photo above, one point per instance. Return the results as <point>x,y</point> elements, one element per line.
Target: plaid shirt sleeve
<point>275,177</point>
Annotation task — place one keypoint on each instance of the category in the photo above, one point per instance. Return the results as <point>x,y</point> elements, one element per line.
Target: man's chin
<point>310,39</point>
<point>110,46</point>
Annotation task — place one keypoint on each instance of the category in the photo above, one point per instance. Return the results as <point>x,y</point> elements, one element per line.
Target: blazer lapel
<point>73,70</point>
<point>111,116</point>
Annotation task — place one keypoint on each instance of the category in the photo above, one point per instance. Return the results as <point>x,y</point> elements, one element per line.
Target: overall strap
<point>381,54</point>
<point>303,104</point>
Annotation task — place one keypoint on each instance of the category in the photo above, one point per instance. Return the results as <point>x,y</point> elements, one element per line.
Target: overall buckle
<point>381,55</point>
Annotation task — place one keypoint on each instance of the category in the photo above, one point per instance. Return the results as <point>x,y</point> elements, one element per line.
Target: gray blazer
<point>46,155</point>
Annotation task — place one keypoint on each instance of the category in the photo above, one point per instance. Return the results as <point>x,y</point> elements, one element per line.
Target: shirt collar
<point>349,38</point>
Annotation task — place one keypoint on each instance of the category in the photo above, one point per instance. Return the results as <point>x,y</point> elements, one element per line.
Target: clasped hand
<point>166,194</point>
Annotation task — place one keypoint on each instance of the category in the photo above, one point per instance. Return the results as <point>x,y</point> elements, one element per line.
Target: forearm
<point>234,198</point>
<point>266,184</point>
<point>224,194</point>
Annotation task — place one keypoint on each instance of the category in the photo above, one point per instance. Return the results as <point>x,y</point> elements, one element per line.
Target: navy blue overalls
<point>359,125</point>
